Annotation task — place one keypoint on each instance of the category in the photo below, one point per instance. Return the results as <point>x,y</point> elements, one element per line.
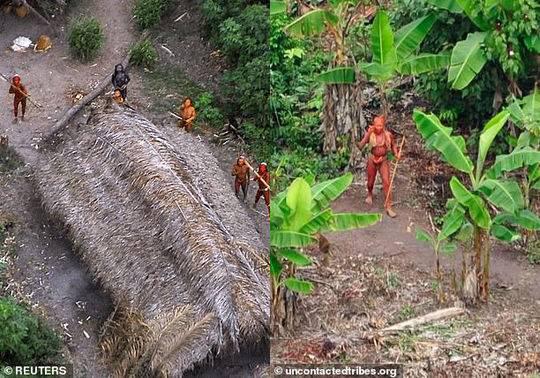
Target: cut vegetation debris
<point>147,211</point>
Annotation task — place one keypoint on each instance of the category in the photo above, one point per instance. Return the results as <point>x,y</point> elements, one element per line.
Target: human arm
<point>365,139</point>
<point>192,116</point>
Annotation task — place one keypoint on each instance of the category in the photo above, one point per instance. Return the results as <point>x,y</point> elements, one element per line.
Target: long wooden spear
<point>394,173</point>
<point>256,174</point>
<point>20,91</point>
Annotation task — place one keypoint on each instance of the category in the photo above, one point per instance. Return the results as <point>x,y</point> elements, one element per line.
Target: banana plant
<point>488,193</point>
<point>394,54</point>
<point>504,26</point>
<point>297,216</point>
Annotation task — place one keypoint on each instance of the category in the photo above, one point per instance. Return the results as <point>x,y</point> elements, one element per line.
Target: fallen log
<point>431,317</point>
<point>71,112</point>
<point>35,12</point>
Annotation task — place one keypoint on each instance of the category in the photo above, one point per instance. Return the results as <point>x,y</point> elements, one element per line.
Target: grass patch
<point>143,54</point>
<point>86,38</point>
<point>406,312</point>
<point>24,338</point>
<point>9,160</point>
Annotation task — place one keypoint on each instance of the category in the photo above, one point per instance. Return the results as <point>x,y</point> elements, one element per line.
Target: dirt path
<point>396,237</point>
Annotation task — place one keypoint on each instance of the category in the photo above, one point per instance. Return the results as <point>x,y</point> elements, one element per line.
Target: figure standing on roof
<point>120,80</point>
<point>20,93</point>
<point>263,179</point>
<point>188,114</point>
<point>381,142</point>
<point>240,171</point>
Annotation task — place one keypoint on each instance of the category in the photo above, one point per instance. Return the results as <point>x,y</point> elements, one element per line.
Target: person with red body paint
<point>20,93</point>
<point>381,142</point>
<point>263,190</point>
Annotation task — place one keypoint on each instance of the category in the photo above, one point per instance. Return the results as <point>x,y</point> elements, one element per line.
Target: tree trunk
<point>476,269</point>
<point>343,119</point>
<point>284,304</point>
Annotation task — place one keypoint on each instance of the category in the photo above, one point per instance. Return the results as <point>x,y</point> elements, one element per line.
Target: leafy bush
<point>148,12</point>
<point>207,110</point>
<point>24,338</point>
<point>86,38</point>
<point>144,54</point>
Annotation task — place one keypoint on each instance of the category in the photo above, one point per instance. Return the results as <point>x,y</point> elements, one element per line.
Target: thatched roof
<point>151,215</point>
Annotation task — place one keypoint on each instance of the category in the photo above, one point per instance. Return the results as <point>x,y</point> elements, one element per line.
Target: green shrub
<point>207,110</point>
<point>143,54</point>
<point>148,12</point>
<point>24,338</point>
<point>86,38</point>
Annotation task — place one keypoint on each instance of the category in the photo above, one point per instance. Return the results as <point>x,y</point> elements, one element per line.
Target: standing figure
<point>20,93</point>
<point>263,189</point>
<point>120,80</point>
<point>381,142</point>
<point>188,114</point>
<point>240,171</point>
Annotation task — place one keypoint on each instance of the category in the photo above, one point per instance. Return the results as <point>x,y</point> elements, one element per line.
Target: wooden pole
<point>21,92</point>
<point>256,174</point>
<point>394,173</point>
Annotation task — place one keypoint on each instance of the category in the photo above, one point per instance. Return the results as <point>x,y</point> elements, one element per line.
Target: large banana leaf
<point>298,286</point>
<point>277,7</point>
<point>503,194</point>
<point>294,256</point>
<point>452,222</point>
<point>533,43</point>
<point>450,5</point>
<point>382,40</point>
<point>410,36</point>
<point>467,60</point>
<point>338,75</point>
<point>299,201</point>
<point>491,129</point>
<point>524,218</point>
<point>423,63</point>
<point>350,221</point>
<point>318,222</point>
<point>377,71</point>
<point>290,239</point>
<point>327,191</point>
<point>505,234</point>
<point>311,23</point>
<point>475,205</point>
<point>470,8</point>
<point>516,160</point>
<point>439,137</point>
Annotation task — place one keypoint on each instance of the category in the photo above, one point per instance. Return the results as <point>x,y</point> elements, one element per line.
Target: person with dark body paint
<point>120,80</point>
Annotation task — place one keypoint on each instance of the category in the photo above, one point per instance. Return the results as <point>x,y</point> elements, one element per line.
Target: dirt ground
<point>46,272</point>
<point>381,275</point>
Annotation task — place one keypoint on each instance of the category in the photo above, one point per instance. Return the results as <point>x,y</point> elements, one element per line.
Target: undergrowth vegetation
<point>86,38</point>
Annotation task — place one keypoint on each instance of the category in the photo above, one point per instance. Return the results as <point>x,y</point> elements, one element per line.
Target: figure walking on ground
<point>20,93</point>
<point>263,179</point>
<point>188,114</point>
<point>240,171</point>
<point>381,142</point>
<point>120,80</point>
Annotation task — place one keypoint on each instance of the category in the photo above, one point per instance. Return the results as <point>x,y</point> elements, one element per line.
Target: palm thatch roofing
<point>149,212</point>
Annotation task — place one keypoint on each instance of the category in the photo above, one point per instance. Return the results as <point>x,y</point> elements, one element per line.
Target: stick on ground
<point>431,317</point>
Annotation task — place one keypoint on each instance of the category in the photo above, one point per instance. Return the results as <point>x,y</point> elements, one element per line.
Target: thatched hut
<point>148,212</point>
